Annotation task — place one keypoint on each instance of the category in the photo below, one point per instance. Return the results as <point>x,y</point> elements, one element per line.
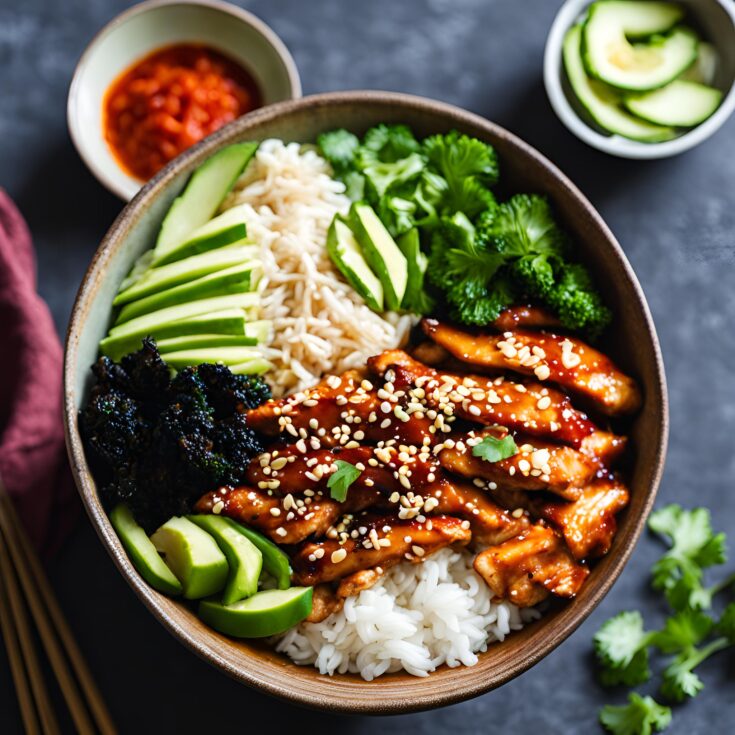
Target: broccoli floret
<point>388,144</point>
<point>382,176</point>
<point>472,301</point>
<point>458,157</point>
<point>576,302</point>
<point>158,443</point>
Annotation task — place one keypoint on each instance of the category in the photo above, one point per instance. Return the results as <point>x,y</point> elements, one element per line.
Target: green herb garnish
<point>689,634</point>
<point>494,450</point>
<point>339,481</point>
<point>641,716</point>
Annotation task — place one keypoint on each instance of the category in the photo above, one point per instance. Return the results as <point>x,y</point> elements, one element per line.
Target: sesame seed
<point>338,556</point>
<point>542,372</point>
<point>275,511</point>
<point>218,507</point>
<point>281,531</point>
<point>543,403</point>
<point>417,550</point>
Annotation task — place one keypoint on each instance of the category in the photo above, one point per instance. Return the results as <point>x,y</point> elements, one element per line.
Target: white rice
<point>416,618</point>
<point>320,325</point>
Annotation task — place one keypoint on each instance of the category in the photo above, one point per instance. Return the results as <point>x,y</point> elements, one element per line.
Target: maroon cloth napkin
<point>33,464</point>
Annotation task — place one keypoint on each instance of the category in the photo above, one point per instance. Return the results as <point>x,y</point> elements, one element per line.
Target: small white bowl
<point>147,27</point>
<point>716,21</point>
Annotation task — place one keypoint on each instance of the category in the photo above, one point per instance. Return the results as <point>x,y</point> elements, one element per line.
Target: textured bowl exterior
<point>634,345</point>
<point>149,26</point>
<point>715,19</point>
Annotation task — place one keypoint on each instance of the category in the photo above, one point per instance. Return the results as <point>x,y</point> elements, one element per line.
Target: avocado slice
<point>345,253</point>
<point>153,280</point>
<point>224,355</point>
<point>381,253</point>
<point>225,229</point>
<point>143,553</point>
<point>226,321</point>
<point>601,102</point>
<point>275,561</point>
<point>417,262</point>
<point>193,556</point>
<point>237,279</point>
<point>611,57</point>
<point>267,613</point>
<point>704,69</point>
<point>261,329</point>
<point>206,190</point>
<point>243,556</point>
<point>681,103</point>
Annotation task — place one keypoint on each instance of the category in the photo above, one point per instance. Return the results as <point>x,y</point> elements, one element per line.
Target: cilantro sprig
<point>340,480</point>
<point>492,449</point>
<point>689,636</point>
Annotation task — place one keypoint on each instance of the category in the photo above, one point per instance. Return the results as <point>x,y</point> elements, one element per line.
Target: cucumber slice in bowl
<point>681,103</point>
<point>610,56</point>
<point>603,104</point>
<point>265,614</point>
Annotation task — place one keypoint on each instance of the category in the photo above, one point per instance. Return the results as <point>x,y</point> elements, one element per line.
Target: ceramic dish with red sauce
<point>162,76</point>
<point>170,100</point>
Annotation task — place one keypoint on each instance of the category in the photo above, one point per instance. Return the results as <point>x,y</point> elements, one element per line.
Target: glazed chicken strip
<point>532,408</point>
<point>526,569</point>
<point>288,470</point>
<point>382,541</point>
<point>284,519</point>
<point>337,412</point>
<point>490,524</point>
<point>588,524</point>
<point>564,360</point>
<point>538,465</point>
<point>526,317</point>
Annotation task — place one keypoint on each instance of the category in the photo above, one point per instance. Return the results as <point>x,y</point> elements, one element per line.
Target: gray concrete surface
<point>674,218</point>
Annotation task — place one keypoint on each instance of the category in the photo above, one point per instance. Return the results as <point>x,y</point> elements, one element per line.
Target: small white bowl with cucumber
<point>642,79</point>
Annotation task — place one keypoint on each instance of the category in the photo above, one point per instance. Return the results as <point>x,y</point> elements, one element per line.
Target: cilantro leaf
<point>339,148</point>
<point>682,631</point>
<point>621,645</point>
<point>494,450</point>
<point>726,623</point>
<point>458,157</point>
<point>679,681</point>
<point>340,480</point>
<point>694,547</point>
<point>641,716</point>
<point>388,144</point>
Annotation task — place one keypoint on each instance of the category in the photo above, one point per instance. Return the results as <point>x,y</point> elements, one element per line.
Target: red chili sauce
<point>170,100</point>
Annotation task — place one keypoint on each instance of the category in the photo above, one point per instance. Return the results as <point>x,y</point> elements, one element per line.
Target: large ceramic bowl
<point>633,344</point>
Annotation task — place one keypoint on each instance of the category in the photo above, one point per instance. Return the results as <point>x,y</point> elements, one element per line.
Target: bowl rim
<point>393,702</point>
<point>114,181</point>
<point>617,145</point>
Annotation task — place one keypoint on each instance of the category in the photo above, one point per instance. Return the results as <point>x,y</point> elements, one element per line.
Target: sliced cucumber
<point>255,366</point>
<point>417,262</point>
<point>150,322</point>
<point>143,553</point>
<point>224,355</point>
<point>261,330</point>
<point>193,556</point>
<point>243,557</point>
<point>680,103</point>
<point>226,321</point>
<point>345,253</point>
<point>225,229</point>
<point>381,253</point>
<point>268,613</point>
<point>237,279</point>
<point>201,198</point>
<point>153,280</point>
<point>603,104</point>
<point>611,57</point>
<point>198,341</point>
<point>704,69</point>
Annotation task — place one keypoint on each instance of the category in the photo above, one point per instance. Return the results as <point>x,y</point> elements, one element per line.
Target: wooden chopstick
<point>17,667</point>
<point>54,652</point>
<point>49,724</point>
<point>51,623</point>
